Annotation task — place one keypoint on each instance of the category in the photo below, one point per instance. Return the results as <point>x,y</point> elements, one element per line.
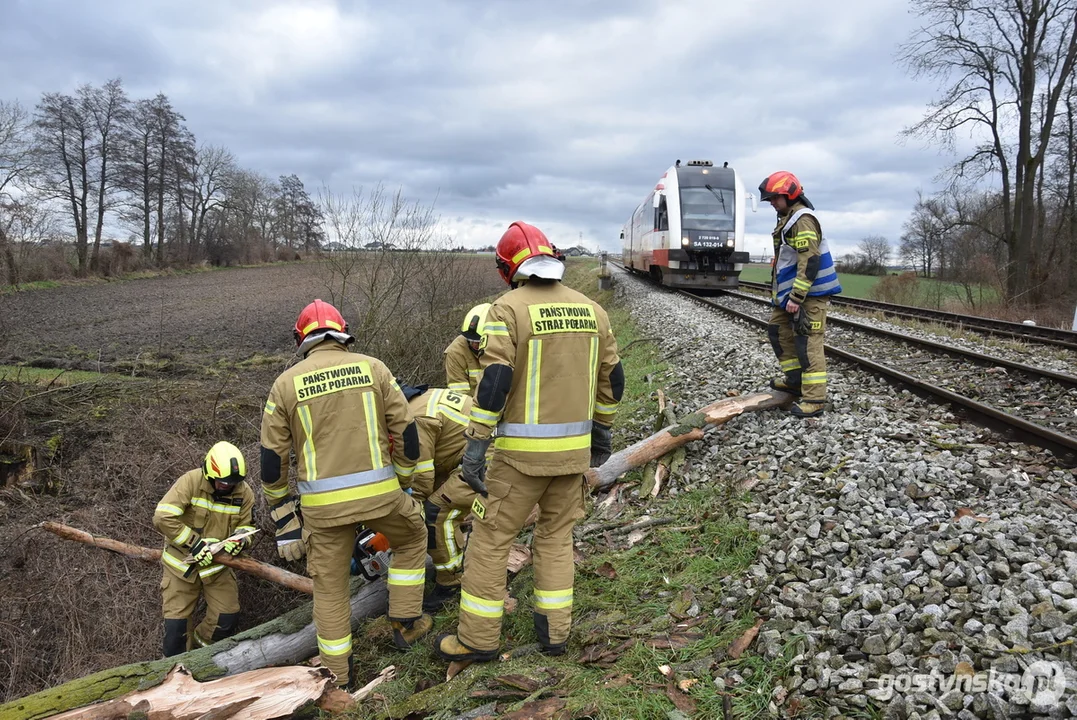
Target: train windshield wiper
<point>720,196</point>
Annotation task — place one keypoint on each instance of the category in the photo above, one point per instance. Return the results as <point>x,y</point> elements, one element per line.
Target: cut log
<point>689,428</point>
<point>247,565</point>
<point>287,640</point>
<point>255,695</point>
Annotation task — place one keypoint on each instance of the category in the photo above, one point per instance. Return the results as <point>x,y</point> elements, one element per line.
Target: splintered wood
<point>255,695</point>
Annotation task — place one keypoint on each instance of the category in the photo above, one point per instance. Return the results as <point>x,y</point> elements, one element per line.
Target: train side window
<point>661,216</point>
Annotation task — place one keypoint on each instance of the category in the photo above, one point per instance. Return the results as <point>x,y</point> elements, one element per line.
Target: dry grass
<point>105,450</point>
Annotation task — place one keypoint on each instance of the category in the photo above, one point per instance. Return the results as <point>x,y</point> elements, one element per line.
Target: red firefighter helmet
<point>520,242</point>
<point>782,182</point>
<point>319,315</point>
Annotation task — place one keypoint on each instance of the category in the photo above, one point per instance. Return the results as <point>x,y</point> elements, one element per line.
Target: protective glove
<point>234,547</point>
<point>473,465</point>
<point>801,324</point>
<point>289,522</point>
<point>201,552</point>
<point>601,444</point>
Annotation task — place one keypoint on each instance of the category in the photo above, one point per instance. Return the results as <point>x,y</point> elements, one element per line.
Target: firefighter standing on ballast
<point>340,412</point>
<point>802,280</point>
<point>203,506</point>
<point>462,355</point>
<point>551,381</point>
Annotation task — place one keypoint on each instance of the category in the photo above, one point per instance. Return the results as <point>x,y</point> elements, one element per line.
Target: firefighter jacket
<point>343,412</point>
<point>549,367</point>
<point>189,512</point>
<point>441,417</point>
<point>461,366</point>
<point>803,266</point>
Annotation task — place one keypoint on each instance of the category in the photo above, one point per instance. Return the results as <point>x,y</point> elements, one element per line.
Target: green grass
<point>656,581</point>
<point>930,292</point>
<point>53,376</point>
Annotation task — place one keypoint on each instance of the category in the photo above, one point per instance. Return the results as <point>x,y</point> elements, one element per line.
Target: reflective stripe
<point>394,384</point>
<point>801,284</point>
<point>606,409</point>
<point>274,493</point>
<point>210,571</point>
<point>424,466</point>
<point>348,494</point>
<point>474,372</point>
<point>592,378</point>
<point>404,472</point>
<point>245,528</point>
<point>372,428</point>
<point>456,417</point>
<point>309,455</point>
<point>335,647</point>
<point>553,599</point>
<point>814,378</point>
<point>534,370</point>
<point>519,257</point>
<point>452,564</point>
<point>483,417</point>
<point>480,606</point>
<point>351,480</point>
<point>270,407</point>
<point>527,444</point>
<point>183,536</point>
<point>167,509</point>
<point>495,328</point>
<point>543,430</point>
<point>215,507</point>
<point>175,562</point>
<point>199,641</point>
<point>460,386</point>
<point>407,577</point>
<point>790,365</point>
<point>450,536</point>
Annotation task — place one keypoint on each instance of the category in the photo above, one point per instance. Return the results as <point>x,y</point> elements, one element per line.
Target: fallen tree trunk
<point>247,565</point>
<point>690,427</point>
<point>286,640</point>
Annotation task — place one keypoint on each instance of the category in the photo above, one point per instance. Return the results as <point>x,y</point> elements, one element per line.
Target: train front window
<point>707,208</point>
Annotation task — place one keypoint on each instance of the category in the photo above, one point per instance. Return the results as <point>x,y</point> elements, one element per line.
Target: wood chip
<point>681,701</point>
<point>455,668</point>
<point>549,709</point>
<point>741,644</point>
<point>606,570</point>
<point>519,557</point>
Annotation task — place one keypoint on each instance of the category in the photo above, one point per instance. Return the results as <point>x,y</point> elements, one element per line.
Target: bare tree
<point>108,110</point>
<point>16,163</point>
<point>202,186</point>
<point>1005,64</point>
<point>876,252</point>
<point>922,242</point>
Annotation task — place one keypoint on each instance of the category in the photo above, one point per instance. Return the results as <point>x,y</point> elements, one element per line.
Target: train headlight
<point>729,243</point>
<point>684,242</point>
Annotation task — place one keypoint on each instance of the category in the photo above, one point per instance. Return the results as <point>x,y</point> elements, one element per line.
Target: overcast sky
<point>563,114</point>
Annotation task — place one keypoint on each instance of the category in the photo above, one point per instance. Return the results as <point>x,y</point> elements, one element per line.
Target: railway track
<point>1036,405</point>
<point>990,326</point>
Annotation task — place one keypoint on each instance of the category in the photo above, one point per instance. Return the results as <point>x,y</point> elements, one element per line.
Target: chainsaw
<point>371,556</point>
<point>217,547</point>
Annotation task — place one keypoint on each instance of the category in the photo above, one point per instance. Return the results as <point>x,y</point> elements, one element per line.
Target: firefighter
<point>803,278</point>
<point>462,355</point>
<point>203,506</point>
<point>441,416</point>
<point>341,412</point>
<point>551,382</point>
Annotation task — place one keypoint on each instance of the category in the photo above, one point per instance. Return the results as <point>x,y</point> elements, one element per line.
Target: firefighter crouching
<point>203,507</point>
<point>441,416</point>
<point>340,412</point>
<point>462,356</point>
<point>803,278</point>
<point>551,381</point>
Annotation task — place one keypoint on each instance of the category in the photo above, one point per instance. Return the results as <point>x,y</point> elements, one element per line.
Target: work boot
<point>553,650</point>
<point>406,633</point>
<point>807,409</point>
<point>781,384</point>
<point>450,648</point>
<point>440,595</point>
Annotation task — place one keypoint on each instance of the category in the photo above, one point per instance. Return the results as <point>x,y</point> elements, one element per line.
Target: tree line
<point>79,165</point>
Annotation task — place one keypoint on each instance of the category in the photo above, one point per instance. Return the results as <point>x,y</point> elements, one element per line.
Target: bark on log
<point>689,428</point>
<point>286,640</point>
<point>247,565</point>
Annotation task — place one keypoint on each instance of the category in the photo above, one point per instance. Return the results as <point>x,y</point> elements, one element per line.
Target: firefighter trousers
<point>179,598</point>
<point>498,520</point>
<point>329,553</point>
<point>446,510</point>
<point>801,356</point>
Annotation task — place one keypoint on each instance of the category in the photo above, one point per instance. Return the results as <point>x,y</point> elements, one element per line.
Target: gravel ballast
<point>911,562</point>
